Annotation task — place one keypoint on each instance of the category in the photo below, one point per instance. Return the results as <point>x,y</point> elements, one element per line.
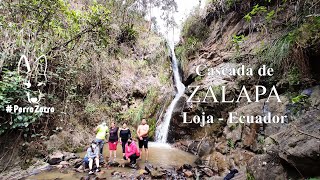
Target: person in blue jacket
<point>91,156</point>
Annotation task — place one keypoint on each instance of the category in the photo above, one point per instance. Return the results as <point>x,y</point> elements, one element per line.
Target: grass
<point>276,52</point>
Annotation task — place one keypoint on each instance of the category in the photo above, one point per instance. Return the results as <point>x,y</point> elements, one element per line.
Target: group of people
<point>130,151</point>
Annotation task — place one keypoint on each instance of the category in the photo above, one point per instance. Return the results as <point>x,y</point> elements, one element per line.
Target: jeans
<point>100,143</point>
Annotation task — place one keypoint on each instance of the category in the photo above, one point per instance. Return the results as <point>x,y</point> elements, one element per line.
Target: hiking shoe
<point>91,172</point>
<point>133,166</point>
<point>98,169</point>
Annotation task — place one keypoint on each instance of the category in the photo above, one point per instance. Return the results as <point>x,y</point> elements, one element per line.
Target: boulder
<point>233,132</point>
<point>154,172</point>
<point>208,172</point>
<point>315,96</point>
<point>257,168</point>
<point>38,167</point>
<point>216,161</point>
<point>75,162</point>
<point>205,147</point>
<point>55,158</point>
<point>249,138</point>
<point>222,147</point>
<point>299,143</point>
<point>68,156</point>
<point>64,163</point>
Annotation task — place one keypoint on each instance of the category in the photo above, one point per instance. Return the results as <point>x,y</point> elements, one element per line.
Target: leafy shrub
<point>294,76</point>
<point>255,10</point>
<point>11,93</point>
<point>236,40</point>
<point>128,35</point>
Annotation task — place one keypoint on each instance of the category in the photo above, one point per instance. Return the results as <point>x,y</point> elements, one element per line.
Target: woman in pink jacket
<point>132,152</point>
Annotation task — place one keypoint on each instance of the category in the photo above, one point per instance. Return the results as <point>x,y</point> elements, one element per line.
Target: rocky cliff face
<point>241,33</point>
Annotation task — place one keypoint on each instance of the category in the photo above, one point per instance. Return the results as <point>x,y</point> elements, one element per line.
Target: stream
<point>160,155</point>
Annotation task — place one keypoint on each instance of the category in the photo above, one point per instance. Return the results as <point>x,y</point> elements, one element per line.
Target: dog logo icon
<point>35,71</point>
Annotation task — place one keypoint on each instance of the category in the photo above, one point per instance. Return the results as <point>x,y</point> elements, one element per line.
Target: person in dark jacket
<point>113,141</point>
<point>125,134</point>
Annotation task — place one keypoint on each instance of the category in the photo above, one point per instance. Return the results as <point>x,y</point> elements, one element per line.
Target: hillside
<point>283,35</point>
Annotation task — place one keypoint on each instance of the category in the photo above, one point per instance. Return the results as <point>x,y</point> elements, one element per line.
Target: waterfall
<point>163,128</point>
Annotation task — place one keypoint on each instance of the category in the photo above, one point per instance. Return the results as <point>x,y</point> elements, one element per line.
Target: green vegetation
<point>231,144</point>
<point>146,109</point>
<point>275,53</point>
<point>11,93</point>
<point>287,54</point>
<point>92,48</point>
<point>255,10</point>
<point>194,32</point>
<point>294,76</point>
<point>237,40</point>
<point>299,99</point>
<point>250,176</point>
<point>261,140</point>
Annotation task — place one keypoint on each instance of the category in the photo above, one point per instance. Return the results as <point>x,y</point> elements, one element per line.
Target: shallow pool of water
<point>159,155</point>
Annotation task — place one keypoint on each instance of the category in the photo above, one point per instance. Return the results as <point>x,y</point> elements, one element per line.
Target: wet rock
<point>154,171</point>
<point>55,158</point>
<point>113,164</point>
<point>188,174</point>
<point>115,173</point>
<point>148,167</point>
<point>273,170</point>
<point>187,166</point>
<point>142,171</point>
<point>143,177</point>
<point>156,174</point>
<point>197,147</point>
<point>76,162</point>
<point>64,163</point>
<point>38,167</point>
<point>59,166</point>
<point>68,156</point>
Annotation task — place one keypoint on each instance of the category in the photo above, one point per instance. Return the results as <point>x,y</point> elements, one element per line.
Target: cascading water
<point>163,128</point>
